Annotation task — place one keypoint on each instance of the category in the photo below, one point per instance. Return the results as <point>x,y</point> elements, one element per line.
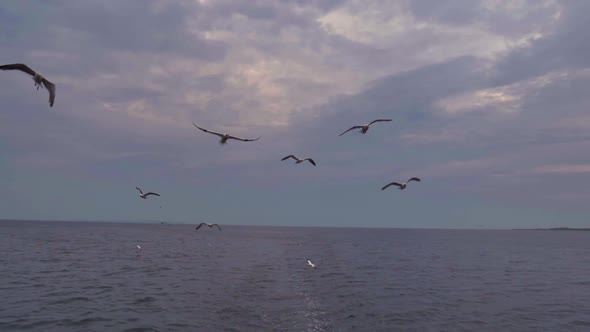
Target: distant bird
<point>401,186</point>
<point>299,161</point>
<point>225,137</point>
<point>37,78</point>
<point>208,225</point>
<point>365,128</point>
<point>310,263</point>
<point>138,247</point>
<point>145,196</point>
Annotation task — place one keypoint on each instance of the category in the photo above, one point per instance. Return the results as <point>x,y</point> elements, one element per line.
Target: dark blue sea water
<point>91,277</point>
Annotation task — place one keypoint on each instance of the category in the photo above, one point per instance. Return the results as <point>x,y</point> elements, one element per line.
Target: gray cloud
<point>563,48</point>
<point>133,75</point>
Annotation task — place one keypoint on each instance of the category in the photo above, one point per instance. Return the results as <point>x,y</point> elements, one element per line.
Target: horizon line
<point>259,225</point>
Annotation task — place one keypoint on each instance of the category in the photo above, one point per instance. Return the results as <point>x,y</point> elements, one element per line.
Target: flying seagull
<point>365,128</point>
<point>138,247</point>
<point>225,137</point>
<point>310,263</point>
<point>208,225</point>
<point>299,161</point>
<point>37,78</point>
<point>401,186</point>
<point>145,196</point>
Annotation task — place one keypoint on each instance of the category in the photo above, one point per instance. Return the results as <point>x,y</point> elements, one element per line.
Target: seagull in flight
<point>299,161</point>
<point>365,128</point>
<point>208,225</point>
<point>138,247</point>
<point>145,196</point>
<point>37,78</point>
<point>401,186</point>
<point>310,263</point>
<point>225,137</point>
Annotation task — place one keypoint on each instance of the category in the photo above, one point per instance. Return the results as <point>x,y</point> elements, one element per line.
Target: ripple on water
<point>70,300</point>
<point>435,280</point>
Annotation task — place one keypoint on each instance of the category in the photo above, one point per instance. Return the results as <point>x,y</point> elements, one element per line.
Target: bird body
<point>298,160</point>
<point>39,80</point>
<point>208,225</point>
<point>145,196</point>
<point>225,137</point>
<point>401,186</point>
<point>310,263</point>
<point>365,128</point>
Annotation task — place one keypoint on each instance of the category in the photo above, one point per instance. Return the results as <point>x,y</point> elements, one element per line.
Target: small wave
<point>71,299</point>
<point>84,321</point>
<point>580,323</point>
<point>146,299</point>
<point>140,329</point>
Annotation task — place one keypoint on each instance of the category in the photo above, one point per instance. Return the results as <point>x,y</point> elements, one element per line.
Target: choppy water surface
<point>91,277</point>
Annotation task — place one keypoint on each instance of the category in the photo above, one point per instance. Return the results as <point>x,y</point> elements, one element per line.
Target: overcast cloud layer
<point>489,100</point>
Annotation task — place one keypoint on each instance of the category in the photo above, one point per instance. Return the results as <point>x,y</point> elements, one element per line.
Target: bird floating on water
<point>401,186</point>
<point>37,78</point>
<point>299,161</point>
<point>145,196</point>
<point>225,137</point>
<point>310,263</point>
<point>208,225</point>
<point>365,128</point>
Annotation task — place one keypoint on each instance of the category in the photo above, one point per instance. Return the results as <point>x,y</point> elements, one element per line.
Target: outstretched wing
<point>244,139</point>
<point>311,161</point>
<point>51,88</point>
<point>414,179</point>
<point>19,66</point>
<point>351,128</point>
<point>200,225</point>
<point>289,156</point>
<point>391,184</point>
<point>141,192</point>
<point>208,131</point>
<point>152,193</point>
<point>379,120</point>
<point>217,226</point>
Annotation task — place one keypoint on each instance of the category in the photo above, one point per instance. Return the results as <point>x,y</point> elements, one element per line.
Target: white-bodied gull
<point>37,78</point>
<point>365,128</point>
<point>310,263</point>
<point>299,161</point>
<point>401,186</point>
<point>208,225</point>
<point>145,196</point>
<point>225,137</point>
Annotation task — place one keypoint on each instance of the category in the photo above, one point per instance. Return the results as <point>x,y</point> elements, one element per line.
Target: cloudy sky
<point>490,101</point>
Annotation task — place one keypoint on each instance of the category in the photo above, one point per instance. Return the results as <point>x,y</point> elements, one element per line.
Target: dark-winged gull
<point>365,128</point>
<point>145,196</point>
<point>401,186</point>
<point>208,225</point>
<point>37,78</point>
<point>225,137</point>
<point>299,161</point>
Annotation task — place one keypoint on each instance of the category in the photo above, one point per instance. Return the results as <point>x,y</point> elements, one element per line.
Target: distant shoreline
<point>552,229</point>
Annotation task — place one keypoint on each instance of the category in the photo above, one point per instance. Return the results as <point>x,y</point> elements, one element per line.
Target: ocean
<point>77,276</point>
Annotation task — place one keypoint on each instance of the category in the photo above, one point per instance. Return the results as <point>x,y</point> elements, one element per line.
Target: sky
<point>489,101</point>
